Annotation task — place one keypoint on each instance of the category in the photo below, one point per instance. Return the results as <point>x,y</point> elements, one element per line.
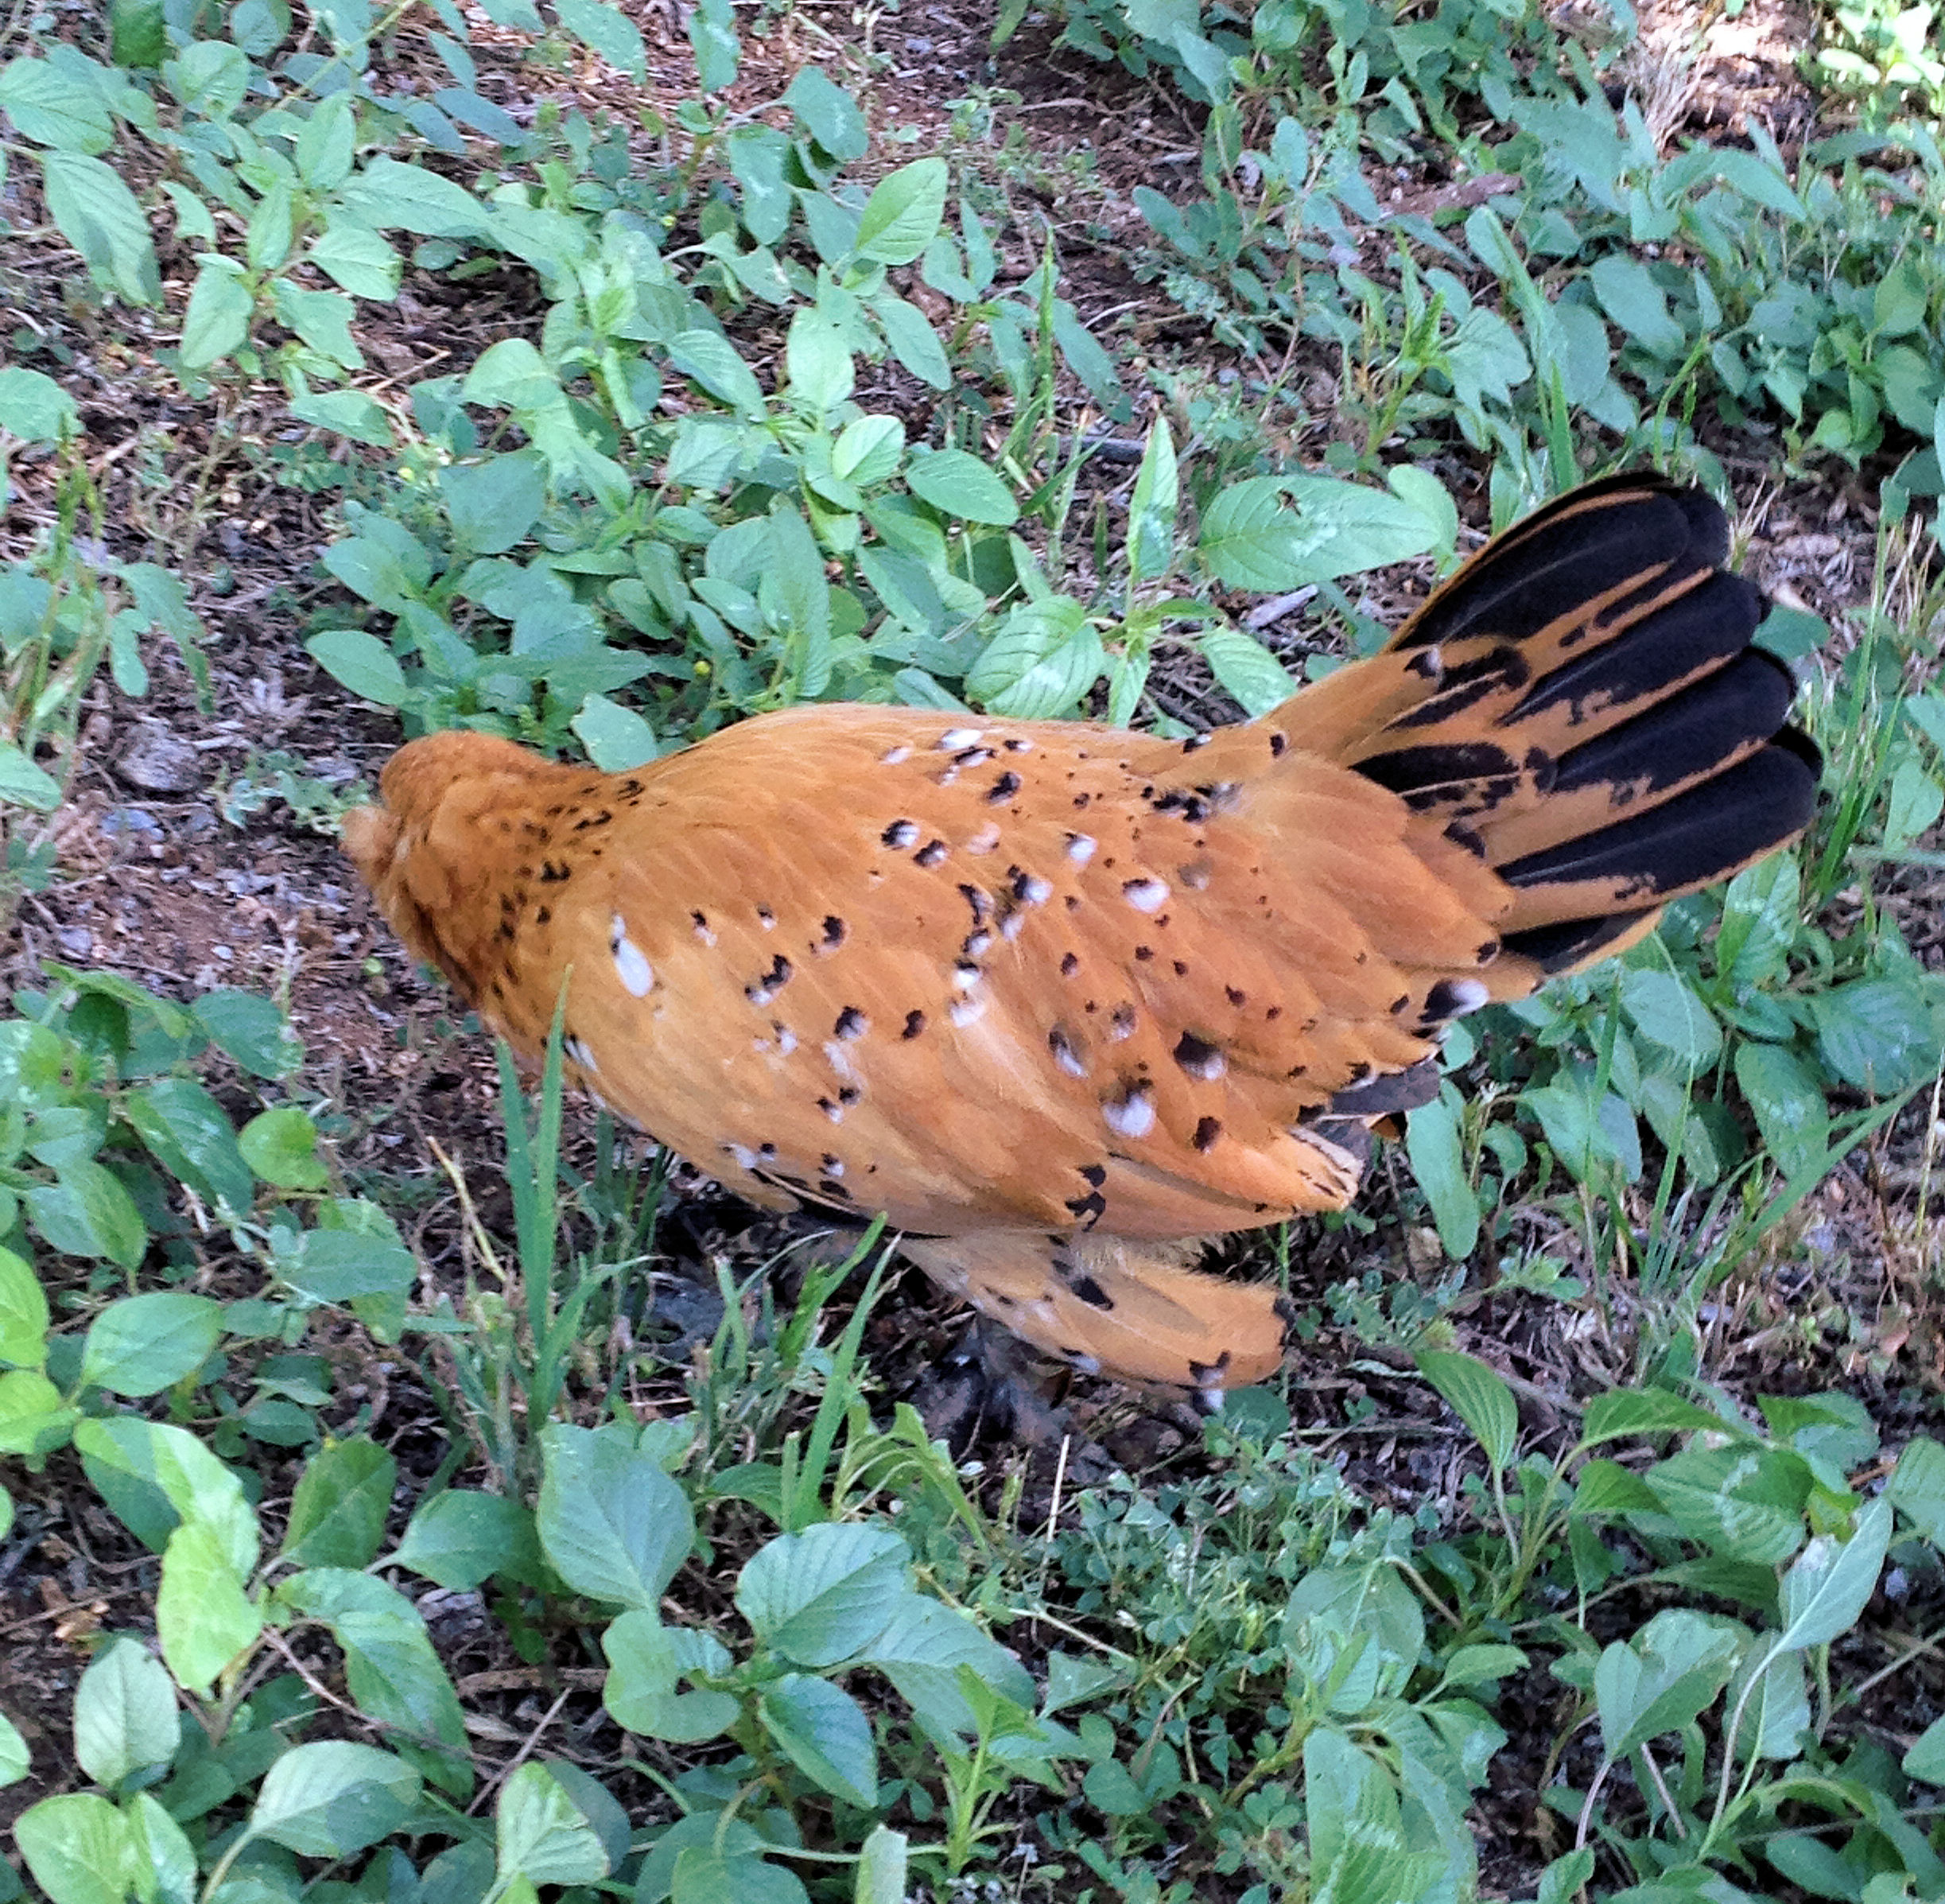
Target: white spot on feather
<point>834,1056</point>
<point>965,978</point>
<point>954,738</point>
<point>631,965</point>
<point>1131,1116</point>
<point>966,1011</point>
<point>1467,995</point>
<point>1034,891</point>
<point>1146,895</point>
<point>578,1053</point>
<point>741,1155</point>
<point>786,1040</point>
<point>984,840</point>
<point>1079,848</point>
<point>893,756</point>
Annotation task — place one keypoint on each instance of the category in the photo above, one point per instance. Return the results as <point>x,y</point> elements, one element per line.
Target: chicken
<point>1060,999</point>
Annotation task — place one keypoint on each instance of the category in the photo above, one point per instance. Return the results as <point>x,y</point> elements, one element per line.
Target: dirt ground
<point>168,876</point>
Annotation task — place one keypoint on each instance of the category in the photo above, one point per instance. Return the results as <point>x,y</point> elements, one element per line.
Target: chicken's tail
<point>1581,709</point>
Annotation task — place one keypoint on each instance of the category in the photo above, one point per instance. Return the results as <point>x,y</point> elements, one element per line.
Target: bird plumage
<point>1056,996</point>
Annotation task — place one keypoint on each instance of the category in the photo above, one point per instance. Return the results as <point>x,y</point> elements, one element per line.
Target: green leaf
<point>610,32</point>
<point>1433,1144</point>
<point>615,1527</point>
<point>1251,538</point>
<point>252,1030</point>
<point>281,1146</point>
<point>361,662</point>
<point>493,505</point>
<point>337,1514</point>
<point>922,1649</point>
<point>1663,1009</point>
<point>22,784</point>
<point>125,1715</point>
<point>646,1662</point>
<point>1625,1413</point>
<point>868,450</point>
<point>1480,1398</point>
<point>1776,1715</point>
<point>203,1617</point>
<point>1759,924</point>
<point>15,1760</point>
<point>1917,1487</point>
<point>1669,1674</point>
<point>23,1313</point>
<point>340,1266</point>
<point>818,1596</point>
<point>1788,1104</point>
<point>913,340</point>
<point>881,1868</point>
<point>1881,1036</point>
<point>355,258</point>
<point>189,1134</point>
<point>459,1539</point>
<point>903,214</point>
<point>54,108</point>
<point>143,1344</point>
<point>1630,296</point>
<point>32,1419</point>
<point>332,1797</point>
<point>795,599</point>
<point>86,1212</point>
<point>1045,656</point>
<point>542,1834</point>
<point>958,485</point>
<point>217,321</point>
<point>1152,510</point>
<point>35,408</point>
<point>186,1476</point>
<point>350,413</point>
<point>618,740</point>
<point>712,38</point>
<point>1831,1582</point>
<point>828,113</point>
<point>78,1848</point>
<point>711,359</point>
<point>98,216</point>
<point>388,195</point>
<point>825,1734</point>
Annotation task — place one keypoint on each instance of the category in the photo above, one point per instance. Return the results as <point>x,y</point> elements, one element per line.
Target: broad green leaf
<point>189,1134</point>
<point>99,216</point>
<point>204,1616</point>
<point>1664,1009</point>
<point>712,38</point>
<point>795,599</point>
<point>1881,1036</point>
<point>825,1734</point>
<point>542,1834</point>
<point>1776,1715</point>
<point>493,504</point>
<point>78,1848</point>
<point>388,195</point>
<point>332,1797</point>
<point>54,108</point>
<point>361,662</point>
<point>1480,1398</point>
<point>15,1760</point>
<point>1671,1672</point>
<point>1152,510</point>
<point>903,214</point>
<point>251,1030</point>
<point>1743,1501</point>
<point>280,1145</point>
<point>23,784</point>
<point>341,1266</point>
<point>1917,1487</point>
<point>1251,537</point>
<point>337,1514</point>
<point>610,32</point>
<point>35,408</point>
<point>1433,1144</point>
<point>32,1420</point>
<point>829,113</point>
<point>356,258</point>
<point>1790,1109</point>
<point>647,1662</point>
<point>913,340</point>
<point>1926,1759</point>
<point>921,1648</point>
<point>217,322</point>
<point>87,1212</point>
<point>818,1596</point>
<point>618,740</point>
<point>141,1344</point>
<point>459,1539</point>
<point>125,1715</point>
<point>350,413</point>
<point>868,450</point>
<point>1621,1413</point>
<point>23,1313</point>
<point>1831,1581</point>
<point>187,1476</point>
<point>615,1527</point>
<point>711,360</point>
<point>958,485</point>
<point>881,1868</point>
<point>1630,296</point>
<point>1247,671</point>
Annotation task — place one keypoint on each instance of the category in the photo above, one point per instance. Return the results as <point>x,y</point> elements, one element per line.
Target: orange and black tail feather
<point>1595,724</point>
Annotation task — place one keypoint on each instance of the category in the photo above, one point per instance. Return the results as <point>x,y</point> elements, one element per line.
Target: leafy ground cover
<point>412,1491</point>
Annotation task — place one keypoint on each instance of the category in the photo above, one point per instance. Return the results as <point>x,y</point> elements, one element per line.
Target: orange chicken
<point>1060,999</point>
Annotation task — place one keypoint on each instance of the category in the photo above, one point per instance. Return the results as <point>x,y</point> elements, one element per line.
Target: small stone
<point>160,762</point>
